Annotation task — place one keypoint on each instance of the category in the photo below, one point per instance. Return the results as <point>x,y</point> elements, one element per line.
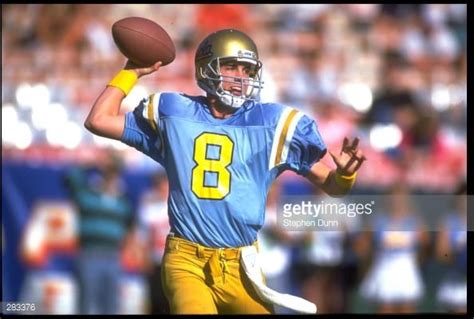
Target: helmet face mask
<point>223,47</point>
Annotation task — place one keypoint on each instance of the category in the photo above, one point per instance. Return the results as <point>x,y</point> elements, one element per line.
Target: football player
<point>221,152</point>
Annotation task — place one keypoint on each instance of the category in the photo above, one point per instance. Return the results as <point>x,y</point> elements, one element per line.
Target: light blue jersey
<point>220,170</point>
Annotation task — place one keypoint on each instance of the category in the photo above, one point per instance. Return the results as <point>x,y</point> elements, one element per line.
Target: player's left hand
<point>350,158</point>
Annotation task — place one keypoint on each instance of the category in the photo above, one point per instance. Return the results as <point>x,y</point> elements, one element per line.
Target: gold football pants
<point>202,280</point>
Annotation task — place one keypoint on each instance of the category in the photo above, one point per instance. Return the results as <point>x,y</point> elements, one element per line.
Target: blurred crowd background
<point>394,75</point>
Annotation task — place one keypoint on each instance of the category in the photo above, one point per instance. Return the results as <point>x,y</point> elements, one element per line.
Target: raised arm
<point>104,118</point>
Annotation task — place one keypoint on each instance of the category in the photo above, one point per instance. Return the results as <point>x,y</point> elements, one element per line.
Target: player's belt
<point>174,242</point>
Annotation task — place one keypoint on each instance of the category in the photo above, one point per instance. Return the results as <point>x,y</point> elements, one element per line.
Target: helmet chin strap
<point>230,99</point>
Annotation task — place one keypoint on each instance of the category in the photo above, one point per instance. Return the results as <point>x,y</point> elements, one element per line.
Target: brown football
<point>143,41</point>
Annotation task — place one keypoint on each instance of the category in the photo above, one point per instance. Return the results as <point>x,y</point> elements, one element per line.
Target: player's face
<point>234,75</point>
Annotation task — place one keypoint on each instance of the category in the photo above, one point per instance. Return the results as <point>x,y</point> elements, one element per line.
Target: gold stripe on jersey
<point>281,142</point>
<point>151,113</point>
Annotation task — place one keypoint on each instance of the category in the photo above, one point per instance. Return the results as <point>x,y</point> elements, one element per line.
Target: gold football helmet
<point>222,46</point>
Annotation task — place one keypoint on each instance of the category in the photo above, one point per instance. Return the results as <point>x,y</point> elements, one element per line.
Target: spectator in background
<point>105,218</point>
<point>298,92</point>
<point>394,280</point>
<point>20,33</point>
<point>322,253</point>
<point>393,93</point>
<point>153,227</point>
<point>323,281</point>
<point>451,249</point>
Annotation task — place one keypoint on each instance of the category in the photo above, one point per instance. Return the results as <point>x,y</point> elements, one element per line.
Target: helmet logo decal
<point>246,54</point>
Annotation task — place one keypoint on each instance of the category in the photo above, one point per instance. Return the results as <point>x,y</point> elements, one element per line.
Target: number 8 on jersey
<point>212,155</point>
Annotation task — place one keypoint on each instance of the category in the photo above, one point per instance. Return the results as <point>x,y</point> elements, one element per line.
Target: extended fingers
<point>345,144</point>
<point>359,163</point>
<point>349,147</point>
<point>152,68</point>
<point>336,159</point>
<point>355,157</point>
<point>157,65</point>
<point>355,143</point>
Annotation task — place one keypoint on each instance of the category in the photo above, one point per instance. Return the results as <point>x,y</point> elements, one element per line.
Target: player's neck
<point>219,110</point>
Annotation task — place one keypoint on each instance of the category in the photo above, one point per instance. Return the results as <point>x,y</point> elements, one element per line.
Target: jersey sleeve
<point>142,128</point>
<point>297,143</point>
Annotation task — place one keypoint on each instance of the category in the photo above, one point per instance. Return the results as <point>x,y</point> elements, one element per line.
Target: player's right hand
<point>142,71</point>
